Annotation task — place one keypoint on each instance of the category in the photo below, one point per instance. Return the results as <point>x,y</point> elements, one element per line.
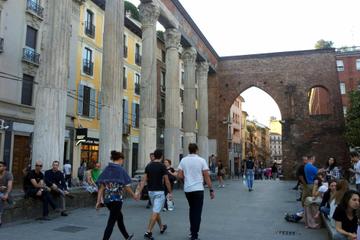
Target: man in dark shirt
<point>300,173</point>
<point>38,189</point>
<point>155,176</point>
<point>55,180</point>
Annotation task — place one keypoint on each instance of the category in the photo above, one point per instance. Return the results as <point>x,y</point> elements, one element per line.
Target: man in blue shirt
<point>310,171</point>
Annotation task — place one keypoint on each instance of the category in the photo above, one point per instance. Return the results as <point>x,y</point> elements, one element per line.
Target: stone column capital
<point>202,67</point>
<point>149,13</point>
<point>189,55</point>
<point>172,38</point>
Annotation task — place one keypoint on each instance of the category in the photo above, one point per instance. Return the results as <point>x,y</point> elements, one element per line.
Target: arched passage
<point>287,77</point>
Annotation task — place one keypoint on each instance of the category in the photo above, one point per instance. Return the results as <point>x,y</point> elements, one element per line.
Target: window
<point>87,61</point>
<point>182,121</point>
<point>86,101</point>
<point>319,101</point>
<point>182,95</point>
<point>182,78</point>
<point>358,64</point>
<point>35,7</point>
<point>137,84</point>
<point>162,105</point>
<point>340,65</point>
<point>125,47</point>
<point>124,78</point>
<point>162,81</point>
<point>29,52</point>
<point>125,112</point>
<point>344,110</point>
<point>137,54</point>
<point>135,115</point>
<point>342,88</point>
<point>27,89</point>
<point>89,24</point>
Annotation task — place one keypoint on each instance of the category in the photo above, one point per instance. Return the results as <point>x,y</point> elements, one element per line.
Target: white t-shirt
<point>193,167</point>
<point>67,169</point>
<point>357,169</point>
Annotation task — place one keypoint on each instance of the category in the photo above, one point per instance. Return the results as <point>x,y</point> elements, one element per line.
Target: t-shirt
<point>5,180</point>
<point>249,164</point>
<point>37,176</point>
<point>172,178</point>
<point>155,172</point>
<point>357,169</point>
<point>310,173</point>
<point>347,224</point>
<point>193,167</point>
<point>67,169</point>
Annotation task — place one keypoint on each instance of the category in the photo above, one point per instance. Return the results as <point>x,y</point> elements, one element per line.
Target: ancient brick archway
<point>287,77</point>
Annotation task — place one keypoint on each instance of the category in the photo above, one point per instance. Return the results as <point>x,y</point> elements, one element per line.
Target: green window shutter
<point>92,103</point>
<point>80,99</point>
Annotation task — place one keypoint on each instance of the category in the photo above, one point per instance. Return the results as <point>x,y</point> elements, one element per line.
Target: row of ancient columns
<point>51,98</point>
<point>149,13</point>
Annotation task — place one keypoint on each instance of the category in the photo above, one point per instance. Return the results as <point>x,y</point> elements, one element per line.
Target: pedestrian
<point>81,172</point>
<point>274,171</point>
<point>112,181</point>
<point>194,170</point>
<point>92,176</point>
<point>332,170</point>
<point>155,176</point>
<point>300,174</point>
<point>220,174</point>
<point>355,158</point>
<point>172,174</point>
<point>249,171</point>
<point>152,158</point>
<point>67,172</point>
<point>6,185</point>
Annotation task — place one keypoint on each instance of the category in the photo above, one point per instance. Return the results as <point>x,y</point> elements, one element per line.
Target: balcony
<point>137,88</point>
<point>125,51</point>
<point>138,59</point>
<point>29,55</point>
<point>88,67</point>
<point>33,7</point>
<point>89,29</point>
<point>126,129</point>
<point>1,45</point>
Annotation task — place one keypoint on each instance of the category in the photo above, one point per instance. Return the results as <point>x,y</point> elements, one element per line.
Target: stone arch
<point>286,77</point>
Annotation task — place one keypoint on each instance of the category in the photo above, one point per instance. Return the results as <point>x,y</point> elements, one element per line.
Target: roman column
<point>111,83</point>
<point>149,14</point>
<point>202,78</point>
<point>172,97</point>
<point>189,58</point>
<point>50,102</point>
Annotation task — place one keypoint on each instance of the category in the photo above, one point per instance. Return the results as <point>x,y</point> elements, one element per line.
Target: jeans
<point>115,216</point>
<point>195,200</point>
<point>157,199</point>
<point>45,198</point>
<point>250,178</point>
<point>325,210</point>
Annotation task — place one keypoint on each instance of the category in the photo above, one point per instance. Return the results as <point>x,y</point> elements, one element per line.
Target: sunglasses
<point>38,165</point>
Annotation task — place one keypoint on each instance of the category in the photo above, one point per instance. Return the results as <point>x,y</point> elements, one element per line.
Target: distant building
<point>258,142</point>
<point>275,140</point>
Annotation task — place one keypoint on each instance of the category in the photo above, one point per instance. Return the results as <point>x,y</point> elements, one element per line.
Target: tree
<point>352,132</point>
<point>128,6</point>
<point>322,44</point>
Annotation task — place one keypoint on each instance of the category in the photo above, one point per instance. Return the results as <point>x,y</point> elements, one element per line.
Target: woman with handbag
<point>220,174</point>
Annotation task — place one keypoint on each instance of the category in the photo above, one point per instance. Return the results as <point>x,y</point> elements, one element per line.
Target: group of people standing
<point>193,170</point>
<point>325,192</point>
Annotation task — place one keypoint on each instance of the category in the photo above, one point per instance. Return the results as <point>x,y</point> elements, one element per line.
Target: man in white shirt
<point>355,159</point>
<point>194,169</point>
<point>67,172</point>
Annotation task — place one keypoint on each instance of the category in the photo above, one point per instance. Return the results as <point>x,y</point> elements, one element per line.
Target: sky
<point>240,27</point>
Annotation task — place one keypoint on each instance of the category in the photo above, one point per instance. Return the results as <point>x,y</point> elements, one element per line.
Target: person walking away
<point>194,170</point>
<point>345,217</point>
<point>274,171</point>
<point>155,176</point>
<point>112,181</point>
<point>67,172</point>
<point>355,158</point>
<point>172,174</point>
<point>6,185</point>
<point>249,171</point>
<point>221,174</point>
<point>54,179</point>
<point>38,190</point>
<point>152,158</point>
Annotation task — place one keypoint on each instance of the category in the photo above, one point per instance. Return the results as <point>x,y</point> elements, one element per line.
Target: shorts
<point>157,199</point>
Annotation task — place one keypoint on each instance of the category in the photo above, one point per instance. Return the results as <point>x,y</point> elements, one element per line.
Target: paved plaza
<point>234,214</point>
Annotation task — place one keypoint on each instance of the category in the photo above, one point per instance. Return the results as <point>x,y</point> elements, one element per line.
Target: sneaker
<point>130,237</point>
<point>163,229</point>
<point>148,235</point>
<point>164,209</point>
<point>64,214</point>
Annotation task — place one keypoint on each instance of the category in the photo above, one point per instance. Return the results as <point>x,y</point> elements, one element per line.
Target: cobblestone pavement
<point>234,214</point>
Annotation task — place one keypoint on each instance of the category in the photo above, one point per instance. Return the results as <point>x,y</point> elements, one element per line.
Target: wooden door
<point>21,157</point>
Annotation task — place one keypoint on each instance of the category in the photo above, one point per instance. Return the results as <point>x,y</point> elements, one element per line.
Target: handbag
<point>144,193</point>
